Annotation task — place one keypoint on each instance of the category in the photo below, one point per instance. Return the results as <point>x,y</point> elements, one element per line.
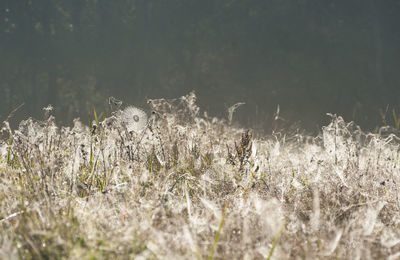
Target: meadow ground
<point>191,187</point>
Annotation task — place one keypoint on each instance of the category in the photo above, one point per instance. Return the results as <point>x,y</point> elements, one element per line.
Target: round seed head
<point>134,119</point>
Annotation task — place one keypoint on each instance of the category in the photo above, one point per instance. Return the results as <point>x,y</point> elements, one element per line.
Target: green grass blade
<point>9,150</point>
<point>91,159</point>
<point>396,119</point>
<point>276,240</point>
<point>218,234</point>
<point>95,116</point>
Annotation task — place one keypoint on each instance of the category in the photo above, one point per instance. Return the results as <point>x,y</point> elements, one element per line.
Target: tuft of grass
<point>101,191</point>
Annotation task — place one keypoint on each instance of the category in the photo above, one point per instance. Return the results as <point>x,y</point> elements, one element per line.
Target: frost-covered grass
<point>193,187</point>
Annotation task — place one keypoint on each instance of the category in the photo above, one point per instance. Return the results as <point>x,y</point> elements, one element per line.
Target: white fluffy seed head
<point>134,119</point>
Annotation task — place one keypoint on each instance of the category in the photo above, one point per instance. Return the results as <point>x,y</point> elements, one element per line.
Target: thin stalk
<point>218,234</point>
<point>276,240</point>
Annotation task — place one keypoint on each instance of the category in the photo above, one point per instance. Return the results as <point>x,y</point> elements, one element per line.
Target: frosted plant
<point>47,110</point>
<point>113,102</point>
<point>172,192</point>
<point>232,109</point>
<point>134,119</point>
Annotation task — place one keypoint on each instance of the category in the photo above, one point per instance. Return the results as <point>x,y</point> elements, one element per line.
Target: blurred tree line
<point>309,56</point>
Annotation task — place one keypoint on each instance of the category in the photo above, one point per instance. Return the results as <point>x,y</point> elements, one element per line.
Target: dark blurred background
<point>309,57</point>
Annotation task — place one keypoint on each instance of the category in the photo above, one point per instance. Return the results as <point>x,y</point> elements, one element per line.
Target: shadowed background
<point>309,57</point>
